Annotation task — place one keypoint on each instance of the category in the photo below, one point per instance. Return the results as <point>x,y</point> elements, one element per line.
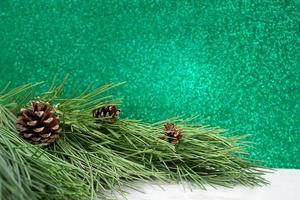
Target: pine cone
<point>38,124</point>
<point>172,134</point>
<point>111,112</point>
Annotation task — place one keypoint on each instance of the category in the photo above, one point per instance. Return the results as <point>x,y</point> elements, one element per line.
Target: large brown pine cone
<point>38,124</point>
<point>111,112</point>
<point>172,134</point>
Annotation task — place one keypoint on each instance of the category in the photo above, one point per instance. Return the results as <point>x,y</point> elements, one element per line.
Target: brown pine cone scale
<point>171,134</point>
<point>38,124</point>
<point>111,112</point>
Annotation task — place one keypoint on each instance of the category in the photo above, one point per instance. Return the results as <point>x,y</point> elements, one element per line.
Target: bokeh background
<point>234,63</point>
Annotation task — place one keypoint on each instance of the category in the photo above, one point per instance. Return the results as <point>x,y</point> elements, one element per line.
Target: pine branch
<point>97,154</point>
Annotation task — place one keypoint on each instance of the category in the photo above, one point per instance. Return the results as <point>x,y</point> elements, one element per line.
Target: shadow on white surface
<point>285,185</point>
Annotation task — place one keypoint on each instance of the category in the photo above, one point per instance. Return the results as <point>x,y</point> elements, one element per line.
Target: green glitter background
<point>234,63</point>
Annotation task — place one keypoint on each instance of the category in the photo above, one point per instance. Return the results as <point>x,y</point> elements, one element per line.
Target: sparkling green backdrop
<point>235,63</point>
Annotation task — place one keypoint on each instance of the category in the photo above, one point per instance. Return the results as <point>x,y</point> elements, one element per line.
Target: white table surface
<point>285,185</point>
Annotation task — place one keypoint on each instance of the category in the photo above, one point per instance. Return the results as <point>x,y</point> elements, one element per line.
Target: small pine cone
<point>172,134</point>
<point>111,112</point>
<point>38,124</point>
